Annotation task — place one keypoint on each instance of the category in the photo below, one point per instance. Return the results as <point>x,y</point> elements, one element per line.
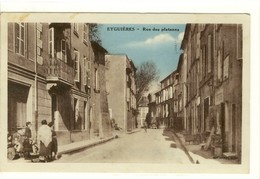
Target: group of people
<point>22,144</point>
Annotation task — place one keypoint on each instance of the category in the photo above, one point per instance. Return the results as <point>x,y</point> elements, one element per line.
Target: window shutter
<point>209,53</point>
<point>77,66</point>
<point>85,70</point>
<point>226,67</point>
<point>51,42</point>
<point>23,39</point>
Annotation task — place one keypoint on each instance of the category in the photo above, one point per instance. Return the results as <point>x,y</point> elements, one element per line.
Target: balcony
<point>59,73</point>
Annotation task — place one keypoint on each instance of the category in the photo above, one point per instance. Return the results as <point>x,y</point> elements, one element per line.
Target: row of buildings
<point>203,96</point>
<point>57,73</point>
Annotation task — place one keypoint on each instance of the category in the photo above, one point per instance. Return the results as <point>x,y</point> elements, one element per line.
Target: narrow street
<point>139,147</point>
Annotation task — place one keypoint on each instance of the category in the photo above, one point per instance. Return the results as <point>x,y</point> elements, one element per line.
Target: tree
<point>146,73</point>
<point>94,34</point>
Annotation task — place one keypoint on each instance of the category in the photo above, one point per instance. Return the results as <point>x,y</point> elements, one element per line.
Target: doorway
<point>17,106</point>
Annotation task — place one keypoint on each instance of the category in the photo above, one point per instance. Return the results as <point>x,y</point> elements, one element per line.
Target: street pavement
<point>140,147</point>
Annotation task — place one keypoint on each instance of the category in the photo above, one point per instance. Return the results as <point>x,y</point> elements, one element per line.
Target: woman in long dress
<point>44,141</point>
<point>54,145</point>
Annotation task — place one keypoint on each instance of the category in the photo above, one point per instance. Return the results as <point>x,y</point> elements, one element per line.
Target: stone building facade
<point>142,111</point>
<point>50,76</point>
<point>168,99</point>
<point>121,88</point>
<point>203,96</point>
<point>213,53</point>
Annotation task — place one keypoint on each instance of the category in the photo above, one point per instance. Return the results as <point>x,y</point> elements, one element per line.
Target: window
<point>77,119</point>
<point>86,79</point>
<point>200,65</point>
<point>88,71</point>
<point>19,38</point>
<point>76,29</point>
<point>63,51</point>
<point>96,79</point>
<point>39,43</point>
<point>209,54</point>
<point>219,66</point>
<point>226,67</point>
<point>205,64</point>
<point>170,92</point>
<point>85,70</point>
<point>77,66</point>
<point>51,42</point>
<point>85,34</point>
<point>128,94</point>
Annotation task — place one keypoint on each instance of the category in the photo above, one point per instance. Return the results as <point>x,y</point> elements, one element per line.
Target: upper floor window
<point>77,66</point>
<point>96,79</point>
<point>19,38</point>
<point>39,43</point>
<point>209,52</point>
<point>226,68</point>
<point>85,34</point>
<point>219,61</point>
<point>51,42</point>
<point>86,71</point>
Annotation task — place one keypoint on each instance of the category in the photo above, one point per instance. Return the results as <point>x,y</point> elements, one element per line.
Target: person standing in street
<point>54,143</point>
<point>27,143</point>
<point>145,126</point>
<point>44,141</point>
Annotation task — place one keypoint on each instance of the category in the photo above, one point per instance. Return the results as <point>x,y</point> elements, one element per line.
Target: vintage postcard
<point>104,92</point>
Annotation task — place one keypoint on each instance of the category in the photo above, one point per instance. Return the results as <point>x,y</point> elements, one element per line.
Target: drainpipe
<point>36,85</point>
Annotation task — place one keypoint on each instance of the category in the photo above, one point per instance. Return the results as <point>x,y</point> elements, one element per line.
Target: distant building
<point>152,112</point>
<point>167,99</point>
<point>142,111</point>
<point>121,88</point>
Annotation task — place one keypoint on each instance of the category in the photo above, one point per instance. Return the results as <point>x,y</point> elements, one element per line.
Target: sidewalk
<point>201,156</point>
<point>76,146</point>
<point>72,147</point>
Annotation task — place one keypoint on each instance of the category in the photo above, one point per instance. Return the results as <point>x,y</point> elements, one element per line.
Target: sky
<point>159,43</point>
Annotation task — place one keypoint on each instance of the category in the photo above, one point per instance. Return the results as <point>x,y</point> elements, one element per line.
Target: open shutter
<point>51,42</point>
<point>85,70</point>
<point>77,70</point>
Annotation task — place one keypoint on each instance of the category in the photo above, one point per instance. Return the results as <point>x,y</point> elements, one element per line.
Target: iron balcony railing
<point>60,71</point>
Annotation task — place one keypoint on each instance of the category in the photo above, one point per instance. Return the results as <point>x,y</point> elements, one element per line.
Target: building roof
<point>97,46</point>
<point>185,37</point>
<point>175,71</point>
<point>180,62</point>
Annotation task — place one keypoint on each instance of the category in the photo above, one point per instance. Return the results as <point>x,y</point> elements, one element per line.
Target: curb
<point>85,146</point>
<point>133,131</point>
<point>183,147</point>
